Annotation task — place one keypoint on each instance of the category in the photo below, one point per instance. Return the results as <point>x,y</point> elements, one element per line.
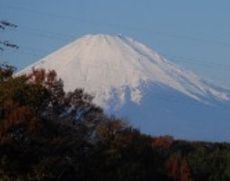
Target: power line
<point>207,65</point>
<point>59,37</point>
<point>194,61</point>
<point>174,58</point>
<point>90,21</point>
<point>38,33</point>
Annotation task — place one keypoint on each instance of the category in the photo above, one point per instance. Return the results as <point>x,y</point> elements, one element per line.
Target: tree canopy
<point>48,134</point>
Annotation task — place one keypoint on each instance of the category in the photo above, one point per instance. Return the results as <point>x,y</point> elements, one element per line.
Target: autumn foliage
<point>163,142</point>
<point>48,134</point>
<point>178,168</point>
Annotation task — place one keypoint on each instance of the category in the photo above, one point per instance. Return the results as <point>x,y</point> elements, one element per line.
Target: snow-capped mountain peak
<point>104,65</point>
<point>131,80</point>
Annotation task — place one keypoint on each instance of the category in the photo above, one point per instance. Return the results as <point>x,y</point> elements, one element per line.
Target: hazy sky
<point>194,34</point>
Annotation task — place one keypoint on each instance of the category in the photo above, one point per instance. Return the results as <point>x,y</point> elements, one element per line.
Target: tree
<point>37,137</point>
<point>178,168</point>
<point>48,134</point>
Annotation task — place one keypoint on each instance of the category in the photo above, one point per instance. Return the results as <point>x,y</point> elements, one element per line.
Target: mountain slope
<point>123,74</point>
<point>102,63</point>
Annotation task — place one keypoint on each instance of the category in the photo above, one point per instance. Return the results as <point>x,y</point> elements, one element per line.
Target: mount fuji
<point>131,80</point>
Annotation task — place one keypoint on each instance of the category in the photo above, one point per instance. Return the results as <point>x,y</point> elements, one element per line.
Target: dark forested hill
<point>47,134</point>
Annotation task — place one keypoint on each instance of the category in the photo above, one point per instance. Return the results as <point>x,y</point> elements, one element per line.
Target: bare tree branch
<point>7,23</point>
<point>3,25</point>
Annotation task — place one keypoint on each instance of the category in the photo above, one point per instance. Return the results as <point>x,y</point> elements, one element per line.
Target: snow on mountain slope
<point>132,81</point>
<point>105,65</point>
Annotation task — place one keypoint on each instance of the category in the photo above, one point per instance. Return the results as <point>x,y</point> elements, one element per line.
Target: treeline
<point>47,134</point>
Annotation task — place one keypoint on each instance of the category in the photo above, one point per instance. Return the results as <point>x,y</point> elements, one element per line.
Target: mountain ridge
<point>120,62</point>
<point>132,81</point>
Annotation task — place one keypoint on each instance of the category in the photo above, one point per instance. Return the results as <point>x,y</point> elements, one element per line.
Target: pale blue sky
<point>194,34</point>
